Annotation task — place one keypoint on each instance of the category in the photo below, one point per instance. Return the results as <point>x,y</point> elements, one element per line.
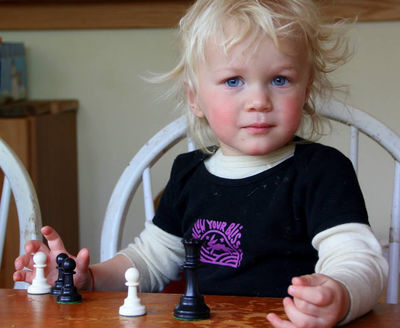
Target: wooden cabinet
<point>43,134</point>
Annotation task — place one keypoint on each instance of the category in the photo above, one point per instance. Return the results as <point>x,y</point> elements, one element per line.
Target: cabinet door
<point>47,146</point>
<point>53,170</point>
<point>15,131</point>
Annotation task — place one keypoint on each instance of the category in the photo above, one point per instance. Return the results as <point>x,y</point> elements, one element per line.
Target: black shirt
<point>258,230</point>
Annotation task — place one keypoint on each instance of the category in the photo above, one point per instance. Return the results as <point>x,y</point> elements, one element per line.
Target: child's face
<point>252,100</point>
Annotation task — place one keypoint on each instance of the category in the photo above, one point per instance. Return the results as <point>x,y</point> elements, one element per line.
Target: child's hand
<point>318,302</point>
<point>56,246</point>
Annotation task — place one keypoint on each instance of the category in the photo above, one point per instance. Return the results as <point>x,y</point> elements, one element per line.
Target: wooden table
<point>100,309</point>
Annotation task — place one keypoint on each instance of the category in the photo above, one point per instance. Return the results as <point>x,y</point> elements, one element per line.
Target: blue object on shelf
<point>13,84</point>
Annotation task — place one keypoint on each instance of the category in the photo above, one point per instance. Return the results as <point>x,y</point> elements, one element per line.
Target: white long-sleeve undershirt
<point>348,253</point>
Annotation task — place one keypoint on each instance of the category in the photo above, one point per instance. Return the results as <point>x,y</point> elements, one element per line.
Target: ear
<point>191,98</point>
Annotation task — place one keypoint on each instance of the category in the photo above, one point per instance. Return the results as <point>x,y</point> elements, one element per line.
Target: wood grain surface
<point>100,309</point>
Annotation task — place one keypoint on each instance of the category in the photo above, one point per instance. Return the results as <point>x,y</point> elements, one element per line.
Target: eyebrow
<point>286,68</point>
<point>228,68</point>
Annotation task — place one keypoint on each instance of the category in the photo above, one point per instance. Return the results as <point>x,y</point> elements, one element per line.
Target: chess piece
<point>39,283</point>
<point>191,305</point>
<point>59,283</point>
<point>69,293</point>
<point>132,305</point>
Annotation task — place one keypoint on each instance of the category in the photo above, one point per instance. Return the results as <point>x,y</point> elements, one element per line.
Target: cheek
<point>293,112</point>
<point>220,121</point>
<point>219,113</point>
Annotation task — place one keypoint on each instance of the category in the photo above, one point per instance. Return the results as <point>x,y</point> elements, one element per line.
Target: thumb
<point>315,279</point>
<point>82,260</point>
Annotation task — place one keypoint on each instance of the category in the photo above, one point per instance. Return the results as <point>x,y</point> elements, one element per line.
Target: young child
<point>278,215</point>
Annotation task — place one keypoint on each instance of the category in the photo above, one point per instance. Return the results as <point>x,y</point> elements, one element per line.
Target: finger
<point>33,246</point>
<point>26,260</point>
<point>298,318</point>
<point>53,239</point>
<point>307,307</point>
<point>22,261</point>
<point>277,322</point>
<point>316,295</point>
<point>23,275</point>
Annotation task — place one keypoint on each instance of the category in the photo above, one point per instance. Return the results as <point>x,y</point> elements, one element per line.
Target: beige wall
<point>119,111</point>
<point>372,76</point>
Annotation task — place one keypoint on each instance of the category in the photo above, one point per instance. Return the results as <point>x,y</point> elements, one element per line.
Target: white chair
<point>140,166</point>
<point>18,183</point>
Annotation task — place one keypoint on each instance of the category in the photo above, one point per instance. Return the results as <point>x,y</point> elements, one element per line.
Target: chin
<point>259,152</point>
<point>263,148</point>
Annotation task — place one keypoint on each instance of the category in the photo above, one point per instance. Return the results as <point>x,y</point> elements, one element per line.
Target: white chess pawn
<point>39,283</point>
<point>132,305</point>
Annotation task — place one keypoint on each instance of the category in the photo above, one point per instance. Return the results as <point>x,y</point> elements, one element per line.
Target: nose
<point>259,100</point>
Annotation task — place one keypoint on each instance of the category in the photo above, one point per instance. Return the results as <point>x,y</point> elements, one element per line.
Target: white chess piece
<point>132,305</point>
<point>39,283</point>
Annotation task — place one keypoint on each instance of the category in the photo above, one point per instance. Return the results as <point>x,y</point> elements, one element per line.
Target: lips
<point>258,128</point>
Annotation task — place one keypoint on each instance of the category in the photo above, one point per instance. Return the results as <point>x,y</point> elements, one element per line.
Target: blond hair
<point>296,19</point>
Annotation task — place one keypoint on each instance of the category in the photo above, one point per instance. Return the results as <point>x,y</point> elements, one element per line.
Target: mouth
<point>258,128</point>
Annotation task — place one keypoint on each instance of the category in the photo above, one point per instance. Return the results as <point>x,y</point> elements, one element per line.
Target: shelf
<point>86,14</point>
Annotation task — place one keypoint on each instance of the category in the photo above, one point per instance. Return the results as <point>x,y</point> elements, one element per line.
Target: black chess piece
<point>69,293</point>
<point>58,284</point>
<point>191,305</point>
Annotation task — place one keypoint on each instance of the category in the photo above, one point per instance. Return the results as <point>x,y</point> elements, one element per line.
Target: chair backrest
<point>139,170</point>
<point>17,183</point>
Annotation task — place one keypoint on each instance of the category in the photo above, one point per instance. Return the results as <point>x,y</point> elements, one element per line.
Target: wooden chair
<point>139,170</point>
<point>18,184</point>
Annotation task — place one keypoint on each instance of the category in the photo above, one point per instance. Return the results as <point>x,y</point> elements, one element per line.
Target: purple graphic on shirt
<point>221,242</point>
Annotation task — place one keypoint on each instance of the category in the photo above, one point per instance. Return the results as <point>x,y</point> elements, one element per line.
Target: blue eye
<point>279,81</point>
<point>234,82</point>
